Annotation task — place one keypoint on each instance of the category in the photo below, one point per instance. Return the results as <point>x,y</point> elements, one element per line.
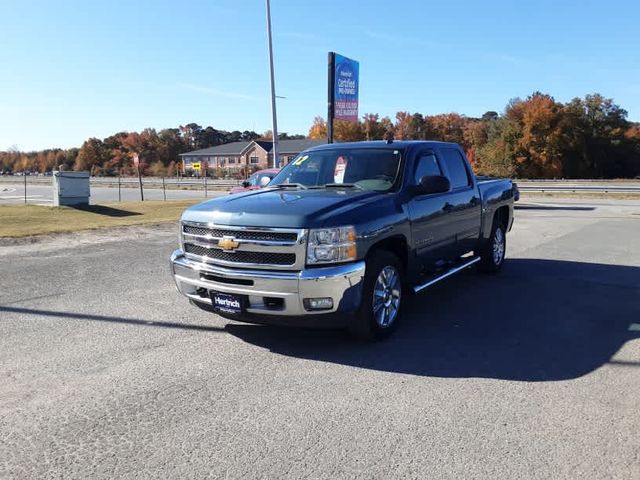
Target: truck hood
<point>280,208</point>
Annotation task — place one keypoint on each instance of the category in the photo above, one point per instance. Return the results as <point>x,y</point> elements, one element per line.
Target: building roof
<point>297,146</point>
<point>265,144</point>
<point>236,148</point>
<point>233,148</point>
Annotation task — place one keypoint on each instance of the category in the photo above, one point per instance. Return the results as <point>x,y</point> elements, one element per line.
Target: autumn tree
<point>388,127</point>
<point>157,169</point>
<point>490,115</point>
<point>373,129</point>
<point>599,145</point>
<point>446,127</point>
<point>344,131</point>
<point>417,127</point>
<point>318,130</point>
<point>171,169</point>
<point>498,155</point>
<point>402,130</point>
<point>541,139</point>
<point>190,133</point>
<point>92,153</point>
<point>249,135</point>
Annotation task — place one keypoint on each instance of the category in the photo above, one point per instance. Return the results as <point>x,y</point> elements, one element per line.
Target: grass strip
<point>27,220</point>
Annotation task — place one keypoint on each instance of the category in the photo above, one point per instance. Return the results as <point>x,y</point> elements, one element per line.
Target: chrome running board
<point>446,274</point>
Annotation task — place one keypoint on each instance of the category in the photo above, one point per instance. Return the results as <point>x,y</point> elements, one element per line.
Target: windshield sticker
<point>299,161</point>
<point>341,166</point>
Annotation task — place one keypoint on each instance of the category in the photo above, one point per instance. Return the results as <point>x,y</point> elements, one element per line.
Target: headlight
<point>331,245</point>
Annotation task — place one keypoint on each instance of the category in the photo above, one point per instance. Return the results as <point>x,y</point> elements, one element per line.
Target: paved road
<point>42,194</point>
<point>106,372</point>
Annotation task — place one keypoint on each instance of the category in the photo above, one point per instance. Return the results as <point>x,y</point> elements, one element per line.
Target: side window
<point>427,165</point>
<point>458,175</point>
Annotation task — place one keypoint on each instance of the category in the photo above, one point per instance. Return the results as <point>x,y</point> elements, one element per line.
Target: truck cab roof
<point>385,144</point>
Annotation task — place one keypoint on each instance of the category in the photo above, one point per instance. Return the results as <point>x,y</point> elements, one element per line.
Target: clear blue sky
<point>73,69</point>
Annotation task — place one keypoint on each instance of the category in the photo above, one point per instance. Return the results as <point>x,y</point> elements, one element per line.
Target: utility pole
<point>273,90</point>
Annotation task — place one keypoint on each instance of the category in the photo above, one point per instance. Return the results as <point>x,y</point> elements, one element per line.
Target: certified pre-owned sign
<point>345,88</point>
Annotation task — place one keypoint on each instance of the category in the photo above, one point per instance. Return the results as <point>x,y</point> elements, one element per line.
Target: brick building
<point>233,157</point>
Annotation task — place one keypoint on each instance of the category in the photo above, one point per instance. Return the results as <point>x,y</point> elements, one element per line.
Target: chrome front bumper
<point>342,283</point>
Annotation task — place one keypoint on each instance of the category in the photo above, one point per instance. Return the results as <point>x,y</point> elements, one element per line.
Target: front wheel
<point>493,252</point>
<point>377,316</point>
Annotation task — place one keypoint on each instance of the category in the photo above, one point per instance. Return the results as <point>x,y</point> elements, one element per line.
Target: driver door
<point>433,237</point>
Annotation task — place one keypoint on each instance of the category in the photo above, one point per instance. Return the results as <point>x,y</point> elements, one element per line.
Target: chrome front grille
<point>267,258</point>
<point>254,247</point>
<point>243,234</point>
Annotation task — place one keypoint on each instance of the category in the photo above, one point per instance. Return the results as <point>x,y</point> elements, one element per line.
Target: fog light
<point>318,303</point>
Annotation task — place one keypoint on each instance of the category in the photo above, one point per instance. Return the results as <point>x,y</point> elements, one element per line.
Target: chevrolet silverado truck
<point>341,233</point>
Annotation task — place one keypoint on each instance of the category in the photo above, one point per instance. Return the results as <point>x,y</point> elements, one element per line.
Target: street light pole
<point>273,91</point>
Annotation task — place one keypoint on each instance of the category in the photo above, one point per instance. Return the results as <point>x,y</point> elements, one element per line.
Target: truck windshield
<point>365,168</point>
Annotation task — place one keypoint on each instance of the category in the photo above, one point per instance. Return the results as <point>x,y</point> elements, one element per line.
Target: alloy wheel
<point>386,296</point>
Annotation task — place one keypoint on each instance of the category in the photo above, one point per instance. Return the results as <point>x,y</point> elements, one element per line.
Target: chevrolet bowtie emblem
<point>228,243</point>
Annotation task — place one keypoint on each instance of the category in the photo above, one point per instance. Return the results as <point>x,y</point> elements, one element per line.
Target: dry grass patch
<point>26,220</point>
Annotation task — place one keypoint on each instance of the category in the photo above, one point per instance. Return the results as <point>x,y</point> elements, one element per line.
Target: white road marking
<point>634,327</point>
<point>15,197</point>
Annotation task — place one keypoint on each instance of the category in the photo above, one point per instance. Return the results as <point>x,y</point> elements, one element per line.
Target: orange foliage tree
<point>318,130</point>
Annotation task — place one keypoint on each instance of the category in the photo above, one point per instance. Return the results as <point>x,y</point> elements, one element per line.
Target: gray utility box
<point>70,188</point>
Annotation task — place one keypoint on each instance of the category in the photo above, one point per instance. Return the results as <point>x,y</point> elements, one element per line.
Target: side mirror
<point>433,184</point>
<point>246,184</point>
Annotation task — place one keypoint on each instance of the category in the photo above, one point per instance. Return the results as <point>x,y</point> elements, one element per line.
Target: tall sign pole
<point>273,91</point>
<point>331,95</point>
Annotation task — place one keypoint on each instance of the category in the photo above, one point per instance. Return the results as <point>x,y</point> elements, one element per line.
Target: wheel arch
<point>397,245</point>
<point>502,215</point>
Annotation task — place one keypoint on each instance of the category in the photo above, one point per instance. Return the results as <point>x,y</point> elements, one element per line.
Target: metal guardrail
<point>579,188</point>
<point>37,189</point>
<point>213,183</point>
<point>540,186</point>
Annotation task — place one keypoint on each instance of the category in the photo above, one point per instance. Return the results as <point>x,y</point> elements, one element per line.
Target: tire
<point>493,251</point>
<point>377,316</point>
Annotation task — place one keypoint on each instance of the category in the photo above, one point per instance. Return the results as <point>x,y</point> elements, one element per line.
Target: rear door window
<point>456,167</point>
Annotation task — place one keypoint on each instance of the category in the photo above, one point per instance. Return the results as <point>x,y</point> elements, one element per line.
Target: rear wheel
<point>493,252</point>
<point>379,310</point>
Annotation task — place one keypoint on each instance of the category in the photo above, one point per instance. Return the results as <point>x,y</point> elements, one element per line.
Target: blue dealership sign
<point>345,88</point>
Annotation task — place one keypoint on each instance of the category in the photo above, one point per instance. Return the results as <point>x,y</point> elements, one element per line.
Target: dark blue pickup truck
<point>341,234</point>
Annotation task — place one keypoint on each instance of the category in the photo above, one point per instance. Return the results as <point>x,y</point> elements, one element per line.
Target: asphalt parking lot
<point>105,371</point>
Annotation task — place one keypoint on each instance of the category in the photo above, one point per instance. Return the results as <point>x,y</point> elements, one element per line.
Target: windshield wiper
<point>342,185</point>
<point>289,185</point>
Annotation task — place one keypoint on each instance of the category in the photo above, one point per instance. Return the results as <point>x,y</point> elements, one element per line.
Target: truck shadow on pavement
<point>106,211</point>
<point>105,318</point>
<point>538,320</point>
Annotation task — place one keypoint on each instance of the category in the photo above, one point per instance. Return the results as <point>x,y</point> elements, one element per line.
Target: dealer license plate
<point>227,303</point>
